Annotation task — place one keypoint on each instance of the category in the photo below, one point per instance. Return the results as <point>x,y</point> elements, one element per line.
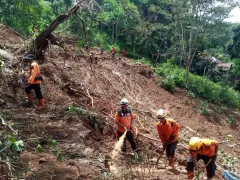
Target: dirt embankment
<point>97,89</point>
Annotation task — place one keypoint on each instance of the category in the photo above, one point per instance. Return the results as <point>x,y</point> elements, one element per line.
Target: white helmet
<point>124,101</point>
<point>161,114</point>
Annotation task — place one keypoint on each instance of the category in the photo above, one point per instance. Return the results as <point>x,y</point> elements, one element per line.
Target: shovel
<point>160,155</point>
<point>197,177</point>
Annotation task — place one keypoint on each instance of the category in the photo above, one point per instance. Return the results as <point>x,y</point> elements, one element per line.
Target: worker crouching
<point>168,133</point>
<point>205,149</point>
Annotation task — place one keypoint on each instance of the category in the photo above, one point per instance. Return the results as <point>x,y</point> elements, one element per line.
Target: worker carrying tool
<point>124,118</point>
<point>205,149</point>
<point>168,133</point>
<point>34,81</point>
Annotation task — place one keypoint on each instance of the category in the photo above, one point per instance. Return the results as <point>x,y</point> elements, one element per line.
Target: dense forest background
<point>188,34</point>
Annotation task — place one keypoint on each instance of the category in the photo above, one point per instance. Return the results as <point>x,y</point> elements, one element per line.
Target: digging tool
<point>148,137</point>
<point>197,176</point>
<point>164,148</point>
<point>161,155</point>
<point>136,131</point>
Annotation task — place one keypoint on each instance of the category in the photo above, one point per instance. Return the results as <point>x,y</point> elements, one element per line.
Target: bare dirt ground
<point>98,89</point>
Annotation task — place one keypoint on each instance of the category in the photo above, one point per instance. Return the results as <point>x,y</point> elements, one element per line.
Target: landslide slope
<point>85,135</point>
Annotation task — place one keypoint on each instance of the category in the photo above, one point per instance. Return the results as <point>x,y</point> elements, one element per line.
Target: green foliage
<point>101,39</point>
<point>52,146</point>
<point>200,86</point>
<point>59,155</point>
<point>168,69</point>
<point>168,84</point>
<point>116,46</point>
<point>73,109</point>
<point>191,94</point>
<point>52,142</point>
<point>91,117</point>
<point>22,15</point>
<point>11,148</point>
<point>39,148</point>
<point>144,60</point>
<point>218,109</point>
<point>204,108</point>
<point>231,121</point>
<point>236,67</point>
<point>234,48</point>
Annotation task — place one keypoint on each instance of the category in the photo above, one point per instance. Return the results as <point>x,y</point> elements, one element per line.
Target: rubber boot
<point>41,103</point>
<point>171,162</point>
<point>190,174</point>
<point>29,102</point>
<point>30,98</point>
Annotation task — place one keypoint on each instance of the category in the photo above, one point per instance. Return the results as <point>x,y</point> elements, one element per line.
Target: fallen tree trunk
<point>47,37</point>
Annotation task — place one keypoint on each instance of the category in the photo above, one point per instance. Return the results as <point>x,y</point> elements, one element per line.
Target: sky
<point>235,16</point>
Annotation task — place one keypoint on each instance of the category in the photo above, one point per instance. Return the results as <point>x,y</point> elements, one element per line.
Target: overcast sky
<point>235,16</point>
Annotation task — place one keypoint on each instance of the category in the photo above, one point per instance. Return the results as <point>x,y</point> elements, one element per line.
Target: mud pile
<point>94,92</point>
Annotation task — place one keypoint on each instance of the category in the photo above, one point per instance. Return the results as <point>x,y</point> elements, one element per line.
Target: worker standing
<point>113,52</point>
<point>34,82</point>
<point>205,149</point>
<point>124,118</point>
<point>168,133</point>
<point>101,50</point>
<point>124,53</point>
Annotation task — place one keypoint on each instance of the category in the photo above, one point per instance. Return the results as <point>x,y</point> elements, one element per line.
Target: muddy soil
<point>98,88</point>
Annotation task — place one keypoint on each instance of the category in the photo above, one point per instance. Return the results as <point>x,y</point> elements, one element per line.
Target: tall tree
<point>197,22</point>
<point>22,15</point>
<point>234,48</point>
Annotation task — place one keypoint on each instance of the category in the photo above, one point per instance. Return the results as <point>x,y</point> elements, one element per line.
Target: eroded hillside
<point>81,98</point>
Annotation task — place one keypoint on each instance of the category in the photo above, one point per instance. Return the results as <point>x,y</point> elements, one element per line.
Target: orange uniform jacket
<point>207,149</point>
<point>125,119</point>
<point>34,71</point>
<point>166,130</point>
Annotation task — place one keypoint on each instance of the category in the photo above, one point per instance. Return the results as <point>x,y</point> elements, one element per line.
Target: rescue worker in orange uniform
<point>205,149</point>
<point>113,52</point>
<point>34,82</point>
<point>168,133</point>
<point>124,118</point>
<point>124,53</point>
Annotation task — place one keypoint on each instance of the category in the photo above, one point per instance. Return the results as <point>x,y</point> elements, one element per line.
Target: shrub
<point>168,84</point>
<point>144,61</point>
<point>201,86</point>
